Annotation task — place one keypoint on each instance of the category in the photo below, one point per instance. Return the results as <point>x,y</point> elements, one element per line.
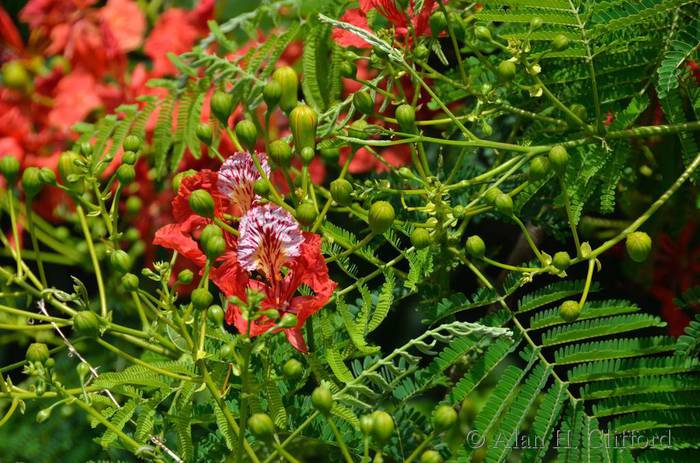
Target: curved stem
<point>95,262</point>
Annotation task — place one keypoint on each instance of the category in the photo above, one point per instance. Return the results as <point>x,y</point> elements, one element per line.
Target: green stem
<point>526,233</point>
<point>420,448</point>
<point>340,440</point>
<point>140,362</point>
<point>15,232</point>
<point>35,244</point>
<point>587,286</point>
<point>95,262</point>
<point>570,216</point>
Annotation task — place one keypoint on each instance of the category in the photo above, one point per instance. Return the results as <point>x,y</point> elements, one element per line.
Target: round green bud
<point>185,277</point>
<point>133,205</point>
<point>560,42</point>
<point>438,23</point>
<point>382,426</point>
<point>363,103</point>
<point>132,143</point>
<point>330,154</point>
<point>420,238</point>
<point>204,133</point>
<point>421,52</point>
<point>561,260</point>
<point>302,122</point>
<point>348,70</point>
<point>130,157</point>
<point>322,399</point>
<point>31,181</point>
<point>216,314</point>
<point>558,157</point>
<point>638,246</point>
<point>201,298</point>
<point>307,155</point>
<point>289,84</point>
<point>47,176</point>
<point>504,204</point>
<point>202,203</point>
<point>262,427</point>
<point>569,310</point>
<point>43,415</point>
<point>288,320</point>
<point>272,92</point>
<point>247,134</point>
<point>37,352</point>
<point>15,76</point>
<point>539,168</point>
<point>214,247</point>
<point>120,261</point>
<point>227,352</point>
<point>506,70</point>
<point>430,456</point>
<point>130,282</point>
<point>341,191</point>
<point>458,211</point>
<point>221,105</point>
<point>126,174</point>
<point>83,369</point>
<point>475,247</point>
<point>67,166</point>
<point>444,417</point>
<point>305,213</point>
<point>261,187</point>
<point>292,369</point>
<point>406,118</point>
<point>492,194</point>
<point>85,148</point>
<point>366,423</point>
<point>381,217</point>
<point>580,111</point>
<point>482,33</point>
<point>9,168</point>
<point>280,153</point>
<point>177,179</point>
<point>86,323</point>
<point>209,232</point>
<point>536,23</point>
<point>357,129</point>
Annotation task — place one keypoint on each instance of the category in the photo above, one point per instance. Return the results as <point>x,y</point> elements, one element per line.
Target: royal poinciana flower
<point>236,178</point>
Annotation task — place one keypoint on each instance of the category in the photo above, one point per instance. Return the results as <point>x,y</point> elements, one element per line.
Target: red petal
<point>178,238</point>
<point>206,180</point>
<point>296,339</point>
<point>348,39</point>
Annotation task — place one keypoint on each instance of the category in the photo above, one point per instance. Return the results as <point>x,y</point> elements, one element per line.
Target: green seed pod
<point>262,427</point>
<point>363,103</point>
<point>204,133</point>
<point>292,369</point>
<point>475,247</point>
<point>381,217</point>
<point>569,311</point>
<point>201,298</point>
<point>177,179</point>
<point>536,23</point>
<point>307,155</point>
<point>261,187</point>
<point>406,117</point>
<point>421,52</point>
<point>247,134</point>
<point>322,399</point>
<point>209,232</point>
<point>280,153</point>
<point>9,168</point>
<point>216,314</point>
<point>341,191</point>
<point>420,238</point>
<point>430,456</point>
<point>86,323</point>
<point>120,261</point>
<point>37,352</point>
<point>214,247</point>
<point>638,246</point>
<point>221,105</point>
<point>539,168</point>
<point>506,70</point>
<point>202,203</point>
<point>504,204</point>
<point>444,417</point>
<point>366,423</point>
<point>382,426</point>
<point>15,76</point>
<point>130,282</point>
<point>358,129</point>
<point>126,174</point>
<point>305,213</point>
<point>288,320</point>
<point>130,157</point>
<point>348,70</point>
<point>561,260</point>
<point>558,157</point>
<point>302,121</point>
<point>31,182</point>
<point>133,205</point>
<point>185,277</point>
<point>482,33</point>
<point>289,83</point>
<point>272,92</point>
<point>132,143</point>
<point>438,23</point>
<point>560,42</point>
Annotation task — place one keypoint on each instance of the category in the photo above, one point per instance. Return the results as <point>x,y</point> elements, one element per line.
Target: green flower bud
<point>43,415</point>
<point>221,105</point>
<point>120,261</point>
<point>204,133</point>
<point>202,203</point>
<point>506,70</point>
<point>638,246</point>
<point>214,247</point>
<point>132,143</point>
<point>406,117</point>
<point>130,157</point>
<point>305,213</point>
<point>247,134</point>
<point>330,154</point>
<point>261,187</point>
<point>307,155</point>
<point>438,23</point>
<point>430,456</point>
<point>382,426</point>
<point>216,314</point>
<point>126,174</point>
<point>421,52</point>
<point>37,352</point>
<point>133,205</point>
<point>363,102</point>
<point>209,232</point>
<point>47,176</point>
<point>262,427</point>
<point>569,310</point>
<point>9,168</point>
<point>420,238</point>
<point>289,83</point>
<point>31,181</point>
<point>341,191</point>
<point>322,399</point>
<point>85,148</point>
<point>381,217</point>
<point>280,153</point>
<point>272,314</point>
<point>444,417</point>
<point>539,168</point>
<point>579,111</point>
<point>177,179</point>
<point>458,211</point>
<point>504,204</point>
<point>132,234</point>
<point>358,129</point>
<point>560,42</point>
<point>185,277</point>
<point>492,194</point>
<point>558,157</point>
<point>15,76</point>
<point>482,33</point>
<point>348,70</point>
<point>86,323</point>
<point>201,298</point>
<point>366,423</point>
<point>536,23</point>
<point>475,247</point>
<point>302,121</point>
<point>288,320</point>
<point>83,369</point>
<point>561,260</point>
<point>292,369</point>
<point>272,92</point>
<point>130,282</point>
<point>227,351</point>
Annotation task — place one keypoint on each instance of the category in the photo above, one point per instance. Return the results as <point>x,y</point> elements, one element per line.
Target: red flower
<point>126,21</point>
